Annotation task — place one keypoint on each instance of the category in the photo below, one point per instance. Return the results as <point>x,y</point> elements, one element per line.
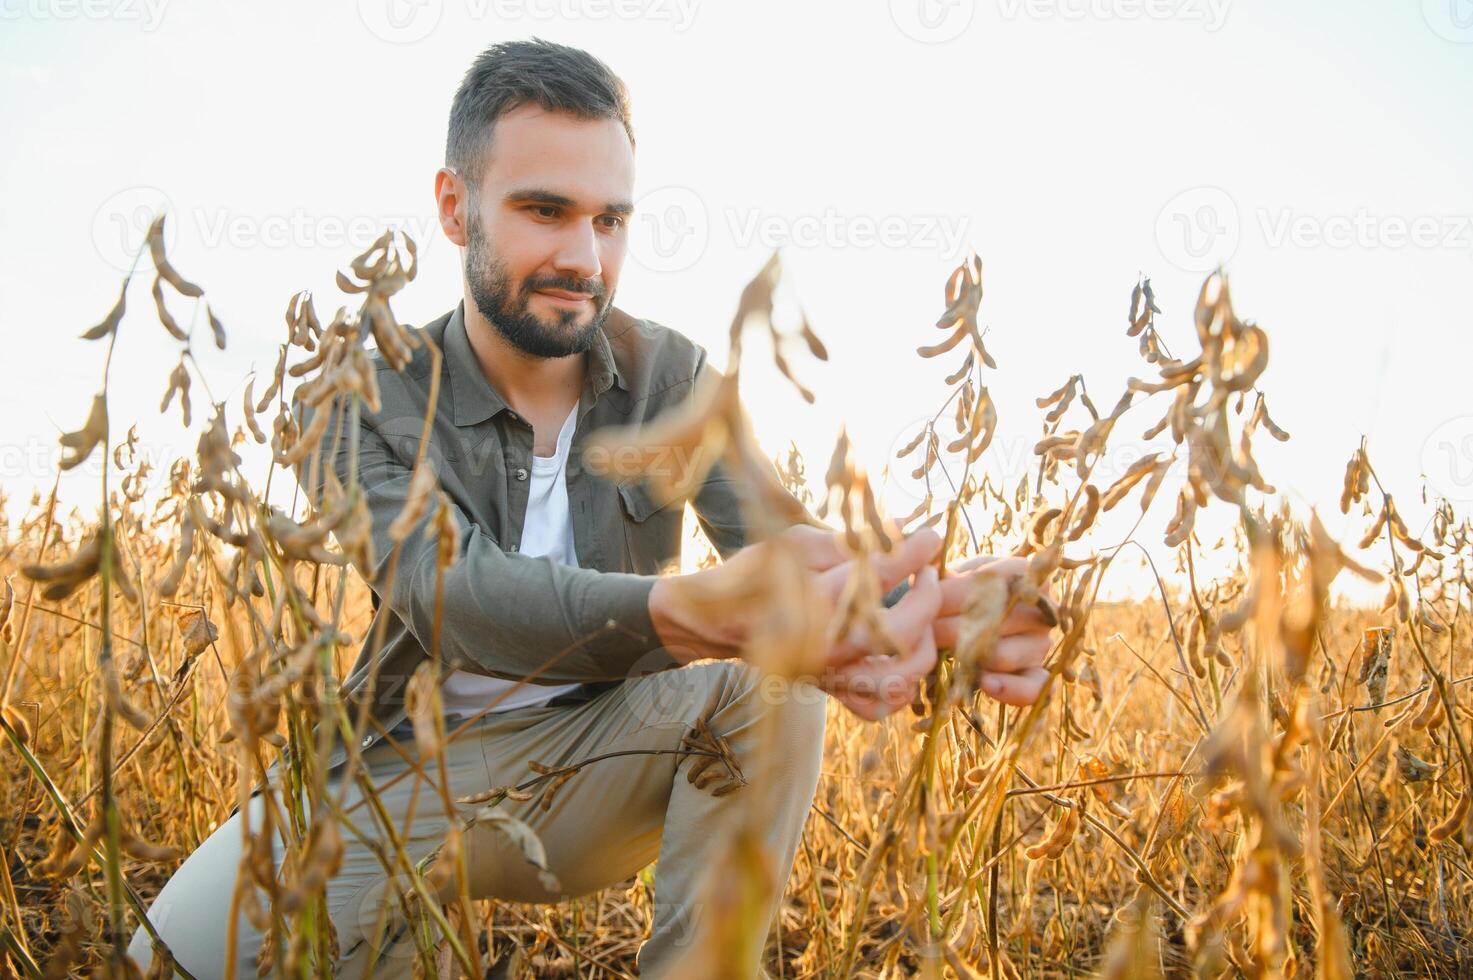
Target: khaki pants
<point>609,820</point>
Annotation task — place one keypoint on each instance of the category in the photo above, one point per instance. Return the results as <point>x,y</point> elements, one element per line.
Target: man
<point>557,578</point>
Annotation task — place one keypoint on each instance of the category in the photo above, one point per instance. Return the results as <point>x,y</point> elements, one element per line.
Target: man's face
<point>547,228</point>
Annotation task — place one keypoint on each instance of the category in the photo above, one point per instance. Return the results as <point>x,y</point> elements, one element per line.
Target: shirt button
<point>513,549</point>
<point>520,473</point>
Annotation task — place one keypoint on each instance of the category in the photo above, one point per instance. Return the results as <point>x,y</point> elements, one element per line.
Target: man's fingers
<point>956,588</point>
<point>821,548</point>
<point>1020,652</point>
<point>913,615</point>
<point>1021,620</point>
<point>892,676</point>
<point>948,631</point>
<point>906,621</point>
<point>974,562</point>
<point>866,708</point>
<point>1021,688</point>
<point>906,558</point>
<point>877,685</point>
<point>1015,649</point>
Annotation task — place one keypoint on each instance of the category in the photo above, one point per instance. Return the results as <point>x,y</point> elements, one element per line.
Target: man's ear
<point>453,202</point>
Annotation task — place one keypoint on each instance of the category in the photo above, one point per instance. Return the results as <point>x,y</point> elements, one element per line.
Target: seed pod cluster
<point>1057,840</point>
<point>716,766</point>
<point>67,576</point>
<point>1454,820</point>
<point>1431,715</point>
<point>558,776</point>
<point>1357,480</point>
<point>976,413</point>
<point>79,444</point>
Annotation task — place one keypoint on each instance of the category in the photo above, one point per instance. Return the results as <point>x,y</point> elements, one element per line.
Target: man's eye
<point>614,221</point>
<point>546,211</point>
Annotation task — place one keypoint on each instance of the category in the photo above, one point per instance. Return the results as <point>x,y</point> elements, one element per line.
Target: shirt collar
<point>476,400</point>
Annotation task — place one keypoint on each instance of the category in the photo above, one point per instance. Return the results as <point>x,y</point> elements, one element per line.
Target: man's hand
<point>870,685</point>
<point>873,685</point>
<point>929,617</point>
<point>1014,673</point>
<point>692,627</point>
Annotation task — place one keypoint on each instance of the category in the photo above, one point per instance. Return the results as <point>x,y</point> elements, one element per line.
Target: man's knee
<point>191,913</point>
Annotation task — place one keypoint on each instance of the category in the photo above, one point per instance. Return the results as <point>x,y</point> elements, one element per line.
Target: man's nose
<point>578,254</point>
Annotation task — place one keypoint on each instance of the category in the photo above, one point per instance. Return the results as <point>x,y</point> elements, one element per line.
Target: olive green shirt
<point>505,614</point>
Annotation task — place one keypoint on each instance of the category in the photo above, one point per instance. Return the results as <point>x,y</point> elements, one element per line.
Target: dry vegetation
<point>1238,778</point>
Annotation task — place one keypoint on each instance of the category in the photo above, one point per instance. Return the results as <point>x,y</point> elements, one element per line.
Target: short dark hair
<point>515,73</point>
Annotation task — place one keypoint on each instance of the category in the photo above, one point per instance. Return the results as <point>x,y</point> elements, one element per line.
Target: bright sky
<point>1316,148</point>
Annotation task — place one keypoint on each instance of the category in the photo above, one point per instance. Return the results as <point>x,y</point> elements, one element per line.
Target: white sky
<point>1072,143</point>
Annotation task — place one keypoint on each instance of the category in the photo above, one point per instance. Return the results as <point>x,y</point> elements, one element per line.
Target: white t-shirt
<point>547,531</point>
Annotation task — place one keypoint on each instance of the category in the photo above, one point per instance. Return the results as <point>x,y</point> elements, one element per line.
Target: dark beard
<point>492,291</point>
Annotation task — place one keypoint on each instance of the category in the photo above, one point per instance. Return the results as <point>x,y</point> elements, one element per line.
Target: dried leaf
<point>525,839</point>
<point>196,631</point>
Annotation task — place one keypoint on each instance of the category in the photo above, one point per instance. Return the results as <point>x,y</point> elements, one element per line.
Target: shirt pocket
<point>458,445</point>
<point>652,528</point>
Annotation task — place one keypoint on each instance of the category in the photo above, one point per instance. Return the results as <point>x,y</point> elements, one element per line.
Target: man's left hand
<point>1014,673</point>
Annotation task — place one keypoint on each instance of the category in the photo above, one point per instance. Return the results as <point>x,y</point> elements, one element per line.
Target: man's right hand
<point>869,683</point>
